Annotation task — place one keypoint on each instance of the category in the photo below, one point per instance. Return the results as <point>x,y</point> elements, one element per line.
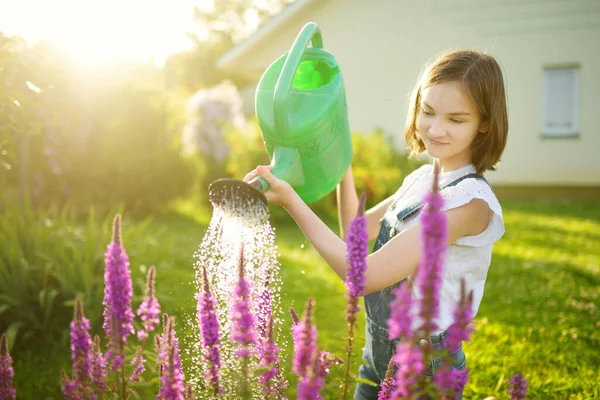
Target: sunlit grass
<point>539,315</point>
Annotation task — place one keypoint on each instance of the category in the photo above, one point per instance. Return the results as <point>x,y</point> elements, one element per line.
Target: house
<point>549,51</point>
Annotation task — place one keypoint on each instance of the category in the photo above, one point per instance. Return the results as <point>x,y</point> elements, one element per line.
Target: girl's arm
<point>347,200</point>
<point>396,260</point>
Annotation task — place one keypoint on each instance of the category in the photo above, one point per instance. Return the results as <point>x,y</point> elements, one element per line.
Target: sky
<point>104,30</point>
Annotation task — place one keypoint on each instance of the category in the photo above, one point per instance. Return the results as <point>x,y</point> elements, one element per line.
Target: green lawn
<point>539,315</point>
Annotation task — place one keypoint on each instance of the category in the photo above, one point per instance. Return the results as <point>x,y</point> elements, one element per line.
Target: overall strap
<point>416,207</point>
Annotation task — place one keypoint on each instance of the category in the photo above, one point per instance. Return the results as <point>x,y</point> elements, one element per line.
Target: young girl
<point>458,116</point>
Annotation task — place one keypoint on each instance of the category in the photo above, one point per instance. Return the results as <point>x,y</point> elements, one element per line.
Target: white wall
<point>381,46</point>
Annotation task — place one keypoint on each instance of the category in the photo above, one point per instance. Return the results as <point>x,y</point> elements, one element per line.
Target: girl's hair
<point>481,78</point>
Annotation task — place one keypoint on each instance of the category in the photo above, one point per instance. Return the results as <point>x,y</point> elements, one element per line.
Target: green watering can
<point>302,113</point>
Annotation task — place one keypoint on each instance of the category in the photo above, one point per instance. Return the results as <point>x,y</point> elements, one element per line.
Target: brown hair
<point>481,78</point>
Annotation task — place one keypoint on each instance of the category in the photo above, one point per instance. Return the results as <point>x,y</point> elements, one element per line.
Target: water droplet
<point>302,246</point>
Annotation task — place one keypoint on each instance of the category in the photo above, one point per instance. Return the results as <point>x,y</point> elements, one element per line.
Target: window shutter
<point>560,113</point>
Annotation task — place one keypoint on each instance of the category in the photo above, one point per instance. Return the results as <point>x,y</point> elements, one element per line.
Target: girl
<point>457,115</point>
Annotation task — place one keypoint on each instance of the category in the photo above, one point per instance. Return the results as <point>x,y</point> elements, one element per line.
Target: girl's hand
<point>279,192</point>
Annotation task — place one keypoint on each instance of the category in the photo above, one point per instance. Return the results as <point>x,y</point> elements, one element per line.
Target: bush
<point>47,258</point>
<point>88,139</point>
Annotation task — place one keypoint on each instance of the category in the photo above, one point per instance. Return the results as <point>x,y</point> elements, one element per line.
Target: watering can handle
<point>309,33</point>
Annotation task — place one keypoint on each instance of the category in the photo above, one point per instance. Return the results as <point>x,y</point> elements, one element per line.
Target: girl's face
<point>447,122</point>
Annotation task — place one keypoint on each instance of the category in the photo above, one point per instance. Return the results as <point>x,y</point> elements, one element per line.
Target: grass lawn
<point>539,315</point>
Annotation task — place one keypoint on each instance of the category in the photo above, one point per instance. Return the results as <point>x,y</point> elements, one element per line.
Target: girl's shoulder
<point>466,191</point>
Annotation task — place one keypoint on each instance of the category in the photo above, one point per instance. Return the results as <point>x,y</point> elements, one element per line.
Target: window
<point>560,101</point>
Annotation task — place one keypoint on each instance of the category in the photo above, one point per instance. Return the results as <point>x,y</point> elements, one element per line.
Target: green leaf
<point>11,333</point>
<point>366,381</point>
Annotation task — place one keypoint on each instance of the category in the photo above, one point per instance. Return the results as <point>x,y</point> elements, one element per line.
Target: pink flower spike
<point>7,391</point>
<point>429,273</point>
<point>149,309</point>
<point>118,316</point>
<point>304,334</point>
<point>209,329</point>
<point>242,331</point>
<point>519,389</point>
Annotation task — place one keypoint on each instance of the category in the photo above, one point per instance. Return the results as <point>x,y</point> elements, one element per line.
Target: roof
<point>263,31</point>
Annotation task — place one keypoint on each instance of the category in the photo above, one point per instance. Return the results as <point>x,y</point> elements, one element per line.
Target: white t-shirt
<point>469,256</point>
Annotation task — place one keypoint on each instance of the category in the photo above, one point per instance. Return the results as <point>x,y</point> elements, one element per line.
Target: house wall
<point>382,45</point>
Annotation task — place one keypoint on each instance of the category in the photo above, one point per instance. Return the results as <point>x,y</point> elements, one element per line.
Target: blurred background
<point>135,107</point>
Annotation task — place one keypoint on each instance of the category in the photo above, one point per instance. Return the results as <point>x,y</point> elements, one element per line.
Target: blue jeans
<point>379,349</point>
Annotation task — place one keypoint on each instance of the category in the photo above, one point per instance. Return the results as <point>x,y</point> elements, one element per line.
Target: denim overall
<point>378,347</point>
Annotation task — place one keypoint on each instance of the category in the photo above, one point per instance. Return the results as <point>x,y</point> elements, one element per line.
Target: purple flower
<point>118,317</point>
<point>242,331</point>
<point>309,387</point>
<point>138,362</point>
<point>304,334</point>
<point>172,377</point>
<point>519,389</point>
<point>400,321</point>
<point>7,391</point>
<point>409,359</point>
<point>389,383</point>
<point>450,381</point>
<point>98,365</point>
<point>209,327</point>
<point>149,308</point>
<point>387,388</point>
<point>357,241</point>
<point>326,360</point>
<point>270,360</point>
<point>265,310</point>
<point>69,386</point>
<point>167,340</point>
<point>171,383</point>
<point>461,328</point>
<point>430,270</point>
<point>81,355</point>
<point>81,346</point>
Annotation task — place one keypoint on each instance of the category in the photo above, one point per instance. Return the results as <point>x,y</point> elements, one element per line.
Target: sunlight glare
<point>102,31</point>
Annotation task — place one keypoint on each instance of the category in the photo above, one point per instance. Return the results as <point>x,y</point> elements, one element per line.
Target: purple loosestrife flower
<point>389,383</point>
<point>326,360</point>
<point>171,372</point>
<point>519,389</point>
<point>409,359</point>
<point>265,309</point>
<point>430,271</point>
<point>118,317</point>
<point>209,329</point>
<point>309,387</point>
<point>269,358</point>
<point>138,362</point>
<point>81,346</point>
<point>167,340</point>
<point>462,327</point>
<point>304,334</point>
<point>98,365</point>
<point>149,309</point>
<point>171,384</point>
<point>357,241</point>
<point>242,331</point>
<point>450,381</point>
<point>400,321</point>
<point>7,391</point>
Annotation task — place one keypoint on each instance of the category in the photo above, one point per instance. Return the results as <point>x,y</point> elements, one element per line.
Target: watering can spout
<point>287,166</point>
